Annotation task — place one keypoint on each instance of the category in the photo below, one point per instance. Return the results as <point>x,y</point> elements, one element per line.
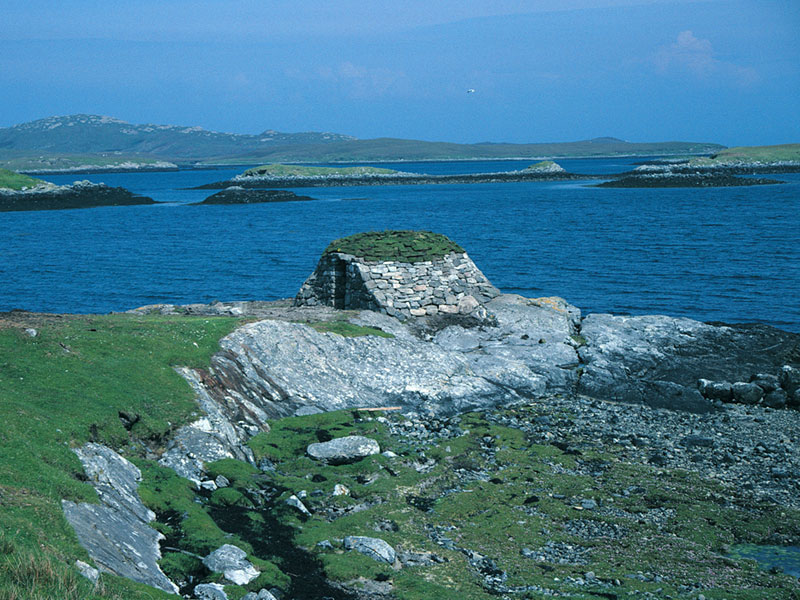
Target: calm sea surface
<point>725,254</point>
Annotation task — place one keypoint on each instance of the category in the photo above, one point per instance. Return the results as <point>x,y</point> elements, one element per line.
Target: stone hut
<point>399,273</point>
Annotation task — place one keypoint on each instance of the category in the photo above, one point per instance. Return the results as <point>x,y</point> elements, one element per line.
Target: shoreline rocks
<point>81,194</point>
<point>684,180</point>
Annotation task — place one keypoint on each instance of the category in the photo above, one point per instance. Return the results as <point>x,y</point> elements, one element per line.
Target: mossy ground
<point>492,491</point>
<point>17,181</point>
<point>65,386</point>
<point>397,245</point>
<point>277,170</point>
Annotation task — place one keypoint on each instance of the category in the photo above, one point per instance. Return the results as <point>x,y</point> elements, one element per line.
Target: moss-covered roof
<point>402,246</point>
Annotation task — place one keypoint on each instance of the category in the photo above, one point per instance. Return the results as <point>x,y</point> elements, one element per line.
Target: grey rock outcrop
<point>215,436</point>
<point>657,360</point>
<point>343,450</point>
<point>232,562</point>
<point>376,548</point>
<point>115,532</point>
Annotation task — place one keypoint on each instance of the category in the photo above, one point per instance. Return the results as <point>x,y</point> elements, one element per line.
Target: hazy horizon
<point>725,71</point>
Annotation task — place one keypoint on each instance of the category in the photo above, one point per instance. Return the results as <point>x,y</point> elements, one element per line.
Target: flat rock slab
<point>375,548</point>
<point>116,532</point>
<point>343,450</point>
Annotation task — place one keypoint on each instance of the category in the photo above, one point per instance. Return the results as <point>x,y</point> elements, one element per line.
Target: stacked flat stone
<point>448,285</point>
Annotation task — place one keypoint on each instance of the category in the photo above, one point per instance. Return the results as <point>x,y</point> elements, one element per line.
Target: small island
<point>280,175</point>
<point>718,170</point>
<point>22,192</point>
<point>240,195</point>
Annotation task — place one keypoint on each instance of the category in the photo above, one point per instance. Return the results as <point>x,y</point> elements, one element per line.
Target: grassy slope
<point>275,170</point>
<point>17,181</point>
<point>58,390</point>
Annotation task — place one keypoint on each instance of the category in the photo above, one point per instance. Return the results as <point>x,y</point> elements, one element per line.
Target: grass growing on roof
<point>398,245</point>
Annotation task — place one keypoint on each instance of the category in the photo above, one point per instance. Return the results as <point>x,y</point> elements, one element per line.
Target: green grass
<point>17,181</point>
<point>346,329</point>
<point>66,386</point>
<point>278,170</point>
<point>397,245</point>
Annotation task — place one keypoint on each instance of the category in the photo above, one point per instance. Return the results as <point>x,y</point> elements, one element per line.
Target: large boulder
<point>343,450</point>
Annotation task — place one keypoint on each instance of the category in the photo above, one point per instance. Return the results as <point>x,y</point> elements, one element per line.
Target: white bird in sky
<point>470,91</point>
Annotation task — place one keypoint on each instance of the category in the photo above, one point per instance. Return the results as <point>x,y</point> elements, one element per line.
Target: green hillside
<point>66,142</point>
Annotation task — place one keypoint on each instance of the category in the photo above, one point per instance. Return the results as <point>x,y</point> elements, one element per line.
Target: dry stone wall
<point>449,285</point>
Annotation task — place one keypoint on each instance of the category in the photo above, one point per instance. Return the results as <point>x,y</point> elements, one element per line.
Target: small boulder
<point>789,378</point>
<point>715,390</point>
<point>232,562</point>
<point>340,490</point>
<point>295,502</point>
<point>467,304</point>
<point>375,548</point>
<point>776,399</point>
<point>88,571</point>
<point>767,382</point>
<point>343,450</point>
<point>747,393</point>
<point>210,591</point>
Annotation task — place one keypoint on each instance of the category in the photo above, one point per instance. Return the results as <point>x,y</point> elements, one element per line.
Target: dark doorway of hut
<point>340,284</point>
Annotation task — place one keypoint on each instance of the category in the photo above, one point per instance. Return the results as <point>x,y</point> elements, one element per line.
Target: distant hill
<point>80,138</point>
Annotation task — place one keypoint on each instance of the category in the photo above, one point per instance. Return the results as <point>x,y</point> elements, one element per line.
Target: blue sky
<point>717,70</point>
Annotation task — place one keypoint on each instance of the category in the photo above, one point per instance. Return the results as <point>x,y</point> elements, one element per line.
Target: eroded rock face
<point>116,532</point>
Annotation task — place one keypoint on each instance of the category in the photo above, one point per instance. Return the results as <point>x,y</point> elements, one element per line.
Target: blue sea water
<point>719,254</point>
